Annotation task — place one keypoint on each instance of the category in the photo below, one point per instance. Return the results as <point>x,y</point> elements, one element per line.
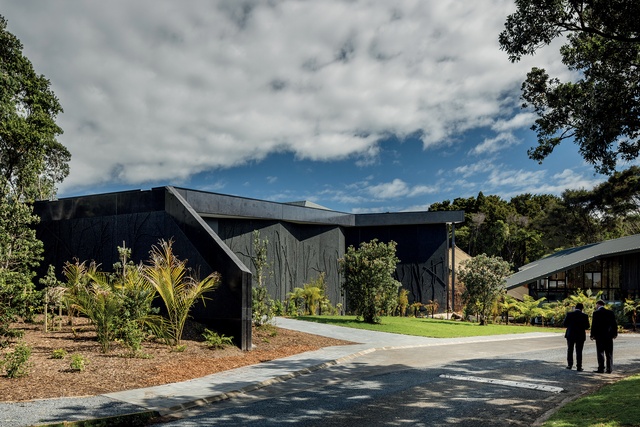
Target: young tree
<point>484,278</point>
<point>32,162</point>
<point>600,109</point>
<point>261,303</point>
<point>19,255</point>
<point>368,279</point>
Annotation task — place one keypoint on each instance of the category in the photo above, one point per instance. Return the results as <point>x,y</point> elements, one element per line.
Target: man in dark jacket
<point>576,323</point>
<point>604,329</point>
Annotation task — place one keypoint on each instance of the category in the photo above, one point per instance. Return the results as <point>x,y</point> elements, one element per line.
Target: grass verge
<point>614,405</point>
<point>427,327</point>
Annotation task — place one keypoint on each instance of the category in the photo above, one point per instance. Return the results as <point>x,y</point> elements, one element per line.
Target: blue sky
<point>359,106</point>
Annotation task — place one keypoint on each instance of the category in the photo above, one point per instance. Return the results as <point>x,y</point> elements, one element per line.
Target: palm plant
<point>587,298</point>
<point>312,295</point>
<point>76,275</point>
<point>179,291</point>
<point>507,303</point>
<point>298,300</point>
<point>553,313</point>
<point>530,308</point>
<point>101,305</point>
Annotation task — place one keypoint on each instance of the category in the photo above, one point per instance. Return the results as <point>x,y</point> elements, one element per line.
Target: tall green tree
<point>618,200</point>
<point>484,278</point>
<point>600,108</point>
<point>32,162</point>
<point>368,279</point>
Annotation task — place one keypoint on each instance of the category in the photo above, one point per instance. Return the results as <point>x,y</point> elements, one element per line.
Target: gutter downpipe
<point>453,267</point>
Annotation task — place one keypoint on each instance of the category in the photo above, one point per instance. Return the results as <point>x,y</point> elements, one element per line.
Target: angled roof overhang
<point>214,205</point>
<point>571,258</point>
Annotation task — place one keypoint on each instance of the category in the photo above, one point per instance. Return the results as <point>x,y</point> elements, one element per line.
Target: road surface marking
<point>507,383</point>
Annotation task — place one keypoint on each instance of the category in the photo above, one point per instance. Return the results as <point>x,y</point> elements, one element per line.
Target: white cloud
<point>515,178</point>
<point>519,121</point>
<point>571,180</point>
<point>508,183</point>
<point>159,90</point>
<point>474,168</point>
<point>389,190</point>
<point>492,145</point>
<point>398,188</point>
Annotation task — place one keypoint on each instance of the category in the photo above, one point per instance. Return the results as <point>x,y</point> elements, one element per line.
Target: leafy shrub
<point>215,340</point>
<point>369,283</point>
<point>78,362</point>
<point>16,363</point>
<point>59,353</point>
<point>291,308</point>
<point>278,308</point>
<point>484,278</point>
<point>403,302</point>
<point>131,336</point>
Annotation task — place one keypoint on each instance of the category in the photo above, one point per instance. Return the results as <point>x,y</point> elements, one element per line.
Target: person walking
<point>577,324</point>
<point>604,329</point>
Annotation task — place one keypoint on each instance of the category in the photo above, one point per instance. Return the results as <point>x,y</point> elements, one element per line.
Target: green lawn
<point>427,327</point>
<point>615,405</point>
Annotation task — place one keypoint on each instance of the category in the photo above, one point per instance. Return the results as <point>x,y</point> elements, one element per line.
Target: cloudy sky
<point>360,106</point>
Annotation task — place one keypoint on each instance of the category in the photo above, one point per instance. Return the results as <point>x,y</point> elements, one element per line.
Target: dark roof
<point>570,258</point>
<point>215,205</point>
<point>222,205</point>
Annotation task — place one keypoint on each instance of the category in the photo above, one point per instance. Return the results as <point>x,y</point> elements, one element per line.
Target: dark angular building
<point>214,232</point>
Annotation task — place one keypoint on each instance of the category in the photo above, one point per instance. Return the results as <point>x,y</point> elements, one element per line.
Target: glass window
<point>593,279</point>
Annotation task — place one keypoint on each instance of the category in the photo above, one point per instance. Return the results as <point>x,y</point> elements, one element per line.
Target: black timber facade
<point>214,232</point>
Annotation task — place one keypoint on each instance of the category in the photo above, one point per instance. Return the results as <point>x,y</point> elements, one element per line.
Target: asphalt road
<point>507,383</point>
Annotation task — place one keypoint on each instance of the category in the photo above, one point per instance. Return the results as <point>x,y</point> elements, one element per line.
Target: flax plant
<point>179,291</point>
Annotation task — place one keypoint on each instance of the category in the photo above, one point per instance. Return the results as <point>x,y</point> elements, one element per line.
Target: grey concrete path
<point>169,398</point>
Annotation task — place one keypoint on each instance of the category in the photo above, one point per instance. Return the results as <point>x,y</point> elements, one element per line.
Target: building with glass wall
<point>611,267</point>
